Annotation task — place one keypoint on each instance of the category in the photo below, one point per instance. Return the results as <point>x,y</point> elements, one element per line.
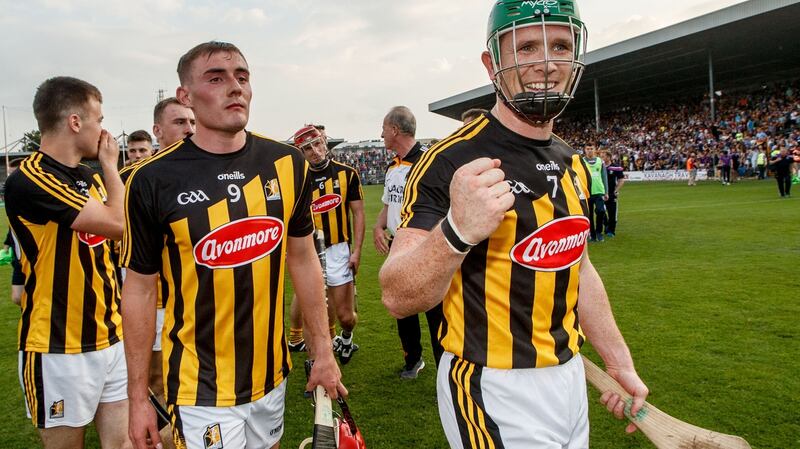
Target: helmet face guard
<point>307,137</point>
<point>536,83</point>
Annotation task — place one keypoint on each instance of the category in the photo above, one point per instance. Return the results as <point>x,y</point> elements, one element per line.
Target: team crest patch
<point>325,203</point>
<point>57,410</point>
<point>272,190</point>
<point>212,438</point>
<point>579,188</point>
<point>555,246</point>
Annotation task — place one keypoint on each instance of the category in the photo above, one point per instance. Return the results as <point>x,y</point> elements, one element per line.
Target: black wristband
<point>452,237</point>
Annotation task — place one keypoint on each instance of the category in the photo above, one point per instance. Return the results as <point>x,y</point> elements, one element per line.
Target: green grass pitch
<point>704,285</point>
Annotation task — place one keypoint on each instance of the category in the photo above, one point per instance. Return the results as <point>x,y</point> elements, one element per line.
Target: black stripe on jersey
<point>275,283</point>
<point>172,377</point>
<point>205,332</point>
<point>88,322</point>
<point>111,297</point>
<point>523,287</point>
<point>28,244</point>
<point>58,316</point>
<point>559,311</point>
<point>243,304</point>
<point>473,281</point>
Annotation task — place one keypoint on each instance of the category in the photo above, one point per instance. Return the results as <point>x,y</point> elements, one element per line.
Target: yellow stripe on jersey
<point>41,310</point>
<point>223,313</point>
<point>285,170</point>
<point>75,308</point>
<point>498,305</point>
<point>425,161</point>
<point>454,311</point>
<point>574,206</point>
<point>33,170</point>
<point>545,283</point>
<point>189,367</point>
<point>256,206</point>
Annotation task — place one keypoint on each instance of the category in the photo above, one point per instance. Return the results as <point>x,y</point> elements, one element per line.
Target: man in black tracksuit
<point>616,178</point>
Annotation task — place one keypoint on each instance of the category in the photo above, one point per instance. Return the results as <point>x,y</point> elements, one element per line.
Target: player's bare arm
<point>138,320</point>
<point>96,217</point>
<point>379,232</point>
<point>306,273</point>
<point>600,328</point>
<point>421,264</point>
<point>359,225</point>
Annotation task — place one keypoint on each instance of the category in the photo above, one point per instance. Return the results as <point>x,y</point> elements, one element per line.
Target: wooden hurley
<point>662,429</point>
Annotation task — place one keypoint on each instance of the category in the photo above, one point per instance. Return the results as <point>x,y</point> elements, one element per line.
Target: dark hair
<point>15,163</point>
<point>161,105</point>
<point>472,114</point>
<point>59,97</point>
<point>140,135</point>
<point>205,49</point>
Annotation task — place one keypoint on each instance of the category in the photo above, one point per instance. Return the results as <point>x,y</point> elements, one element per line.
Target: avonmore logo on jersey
<point>555,246</point>
<point>325,203</point>
<point>239,242</point>
<point>91,239</point>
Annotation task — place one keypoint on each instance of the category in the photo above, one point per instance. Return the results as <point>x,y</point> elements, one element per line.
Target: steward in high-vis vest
<point>599,195</point>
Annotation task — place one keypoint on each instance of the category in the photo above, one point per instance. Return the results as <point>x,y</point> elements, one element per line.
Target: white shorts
<point>522,408</point>
<point>337,264</point>
<point>159,328</point>
<point>258,424</point>
<point>65,389</point>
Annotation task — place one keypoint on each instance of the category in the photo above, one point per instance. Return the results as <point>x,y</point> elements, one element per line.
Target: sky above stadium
<point>340,63</point>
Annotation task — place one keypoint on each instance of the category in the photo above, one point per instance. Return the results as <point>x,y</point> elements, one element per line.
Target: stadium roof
<point>750,43</point>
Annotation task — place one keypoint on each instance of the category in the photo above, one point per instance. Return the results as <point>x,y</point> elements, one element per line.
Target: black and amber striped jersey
<point>334,187</point>
<point>512,303</point>
<point>70,303</point>
<point>124,173</point>
<point>215,227</point>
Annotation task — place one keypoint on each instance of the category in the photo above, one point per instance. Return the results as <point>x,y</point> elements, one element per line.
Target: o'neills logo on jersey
<point>326,203</point>
<point>91,239</point>
<point>557,245</point>
<point>239,242</point>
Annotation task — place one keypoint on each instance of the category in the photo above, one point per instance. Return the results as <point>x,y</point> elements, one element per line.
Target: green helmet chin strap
<point>508,16</point>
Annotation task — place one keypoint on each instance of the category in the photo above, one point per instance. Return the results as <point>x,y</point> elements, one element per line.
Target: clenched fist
<point>479,198</point>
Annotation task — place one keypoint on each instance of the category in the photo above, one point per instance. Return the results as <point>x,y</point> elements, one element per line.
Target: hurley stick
<point>662,429</point>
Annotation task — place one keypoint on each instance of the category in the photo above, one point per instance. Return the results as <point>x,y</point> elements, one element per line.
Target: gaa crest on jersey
<point>579,188</point>
<point>212,437</point>
<point>272,189</point>
<point>57,410</point>
<point>239,242</point>
<point>555,246</point>
<point>325,203</point>
<point>91,239</point>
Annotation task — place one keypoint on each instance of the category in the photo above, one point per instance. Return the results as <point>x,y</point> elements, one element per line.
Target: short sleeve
<point>142,243</point>
<point>39,197</point>
<point>426,198</point>
<point>301,224</point>
<point>354,192</point>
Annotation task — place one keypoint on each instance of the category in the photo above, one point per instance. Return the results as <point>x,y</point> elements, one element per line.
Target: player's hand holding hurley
<point>479,198</point>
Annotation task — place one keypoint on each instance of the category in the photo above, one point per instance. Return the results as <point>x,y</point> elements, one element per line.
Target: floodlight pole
<point>596,107</point>
<point>5,137</point>
<point>711,98</point>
